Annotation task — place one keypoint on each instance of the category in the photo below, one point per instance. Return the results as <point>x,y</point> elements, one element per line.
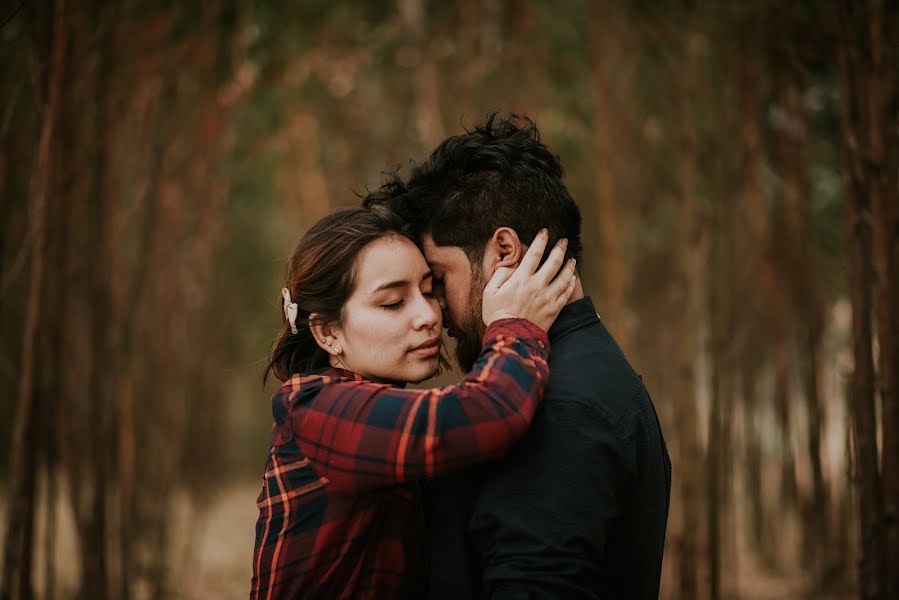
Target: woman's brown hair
<point>321,277</point>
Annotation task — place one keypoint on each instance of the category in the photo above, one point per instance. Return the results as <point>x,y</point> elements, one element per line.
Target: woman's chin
<point>424,371</point>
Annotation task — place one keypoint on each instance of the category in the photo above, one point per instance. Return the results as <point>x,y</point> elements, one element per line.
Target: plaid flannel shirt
<point>340,513</point>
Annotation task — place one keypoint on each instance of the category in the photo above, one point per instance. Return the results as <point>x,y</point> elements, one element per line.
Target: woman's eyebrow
<point>390,285</point>
<point>398,283</point>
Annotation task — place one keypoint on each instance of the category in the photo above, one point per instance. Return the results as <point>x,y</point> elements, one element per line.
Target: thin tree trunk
<point>882,168</point>
<point>608,207</point>
<point>690,259</point>
<point>728,536</point>
<point>753,199</point>
<point>50,431</point>
<point>789,490</point>
<point>817,525</point>
<point>426,90</point>
<point>713,477</point>
<point>800,273</point>
<point>94,521</point>
<point>528,98</point>
<point>753,470</point>
<point>854,109</point>
<point>120,342</point>
<point>715,284</point>
<point>694,280</point>
<point>18,546</point>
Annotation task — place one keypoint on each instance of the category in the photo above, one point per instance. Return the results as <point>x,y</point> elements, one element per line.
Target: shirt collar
<point>345,374</point>
<point>573,316</point>
<point>338,373</point>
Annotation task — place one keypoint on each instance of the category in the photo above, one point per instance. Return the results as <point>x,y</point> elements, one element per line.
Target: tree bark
<point>93,522</point>
<point>426,90</point>
<point>718,328</point>
<point>883,103</point>
<point>608,207</point>
<point>800,268</point>
<point>713,475</point>
<point>18,546</point>
<point>690,259</point>
<point>753,199</point>
<point>854,114</point>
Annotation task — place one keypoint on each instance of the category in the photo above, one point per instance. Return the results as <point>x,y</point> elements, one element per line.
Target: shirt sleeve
<point>359,435</point>
<point>541,518</point>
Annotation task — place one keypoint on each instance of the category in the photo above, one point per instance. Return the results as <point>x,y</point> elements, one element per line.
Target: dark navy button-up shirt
<point>578,508</point>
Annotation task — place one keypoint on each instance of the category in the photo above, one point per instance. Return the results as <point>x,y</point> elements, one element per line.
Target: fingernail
<point>544,231</point>
<point>564,242</point>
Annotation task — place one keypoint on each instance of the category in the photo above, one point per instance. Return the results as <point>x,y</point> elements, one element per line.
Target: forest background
<point>735,163</point>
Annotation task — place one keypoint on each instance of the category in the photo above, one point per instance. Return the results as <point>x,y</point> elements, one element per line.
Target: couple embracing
<point>542,474</point>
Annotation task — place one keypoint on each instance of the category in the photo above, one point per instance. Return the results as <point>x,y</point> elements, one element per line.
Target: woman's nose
<point>428,315</point>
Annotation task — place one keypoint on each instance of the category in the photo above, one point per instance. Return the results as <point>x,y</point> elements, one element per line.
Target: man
<point>578,508</point>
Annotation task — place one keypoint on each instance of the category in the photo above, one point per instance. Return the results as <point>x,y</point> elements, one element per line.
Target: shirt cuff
<point>521,329</point>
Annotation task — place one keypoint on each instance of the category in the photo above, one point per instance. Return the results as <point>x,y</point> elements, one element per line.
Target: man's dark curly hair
<point>497,175</point>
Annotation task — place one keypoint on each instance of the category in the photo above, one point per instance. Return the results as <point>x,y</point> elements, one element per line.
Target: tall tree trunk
<point>754,207</point>
<point>713,452</point>
<point>883,163</point>
<point>689,262</point>
<point>126,303</point>
<point>855,90</point>
<point>817,523</point>
<point>522,13</point>
<point>18,546</point>
<point>800,274</point>
<point>758,526</point>
<point>716,345</point>
<point>57,287</point>
<point>93,522</point>
<point>426,91</point>
<point>608,206</point>
<point>728,541</point>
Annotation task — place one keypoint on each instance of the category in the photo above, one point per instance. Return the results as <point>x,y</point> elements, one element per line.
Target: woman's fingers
<point>559,286</point>
<point>553,262</point>
<point>500,276</point>
<point>531,259</point>
<point>572,283</point>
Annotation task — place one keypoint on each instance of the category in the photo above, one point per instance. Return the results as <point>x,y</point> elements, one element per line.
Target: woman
<point>340,510</point>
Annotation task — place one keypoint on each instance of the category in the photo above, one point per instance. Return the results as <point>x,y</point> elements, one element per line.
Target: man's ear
<point>504,249</point>
<point>326,335</point>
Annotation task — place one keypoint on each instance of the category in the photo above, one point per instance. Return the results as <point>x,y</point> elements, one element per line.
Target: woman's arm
<point>360,435</point>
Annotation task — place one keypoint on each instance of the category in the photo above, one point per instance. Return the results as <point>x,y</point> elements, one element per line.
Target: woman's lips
<point>428,349</point>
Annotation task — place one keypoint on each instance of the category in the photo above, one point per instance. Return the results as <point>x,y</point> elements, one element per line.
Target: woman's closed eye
<point>393,305</point>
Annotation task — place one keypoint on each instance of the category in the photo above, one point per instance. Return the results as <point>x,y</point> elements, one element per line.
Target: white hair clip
<point>290,310</point>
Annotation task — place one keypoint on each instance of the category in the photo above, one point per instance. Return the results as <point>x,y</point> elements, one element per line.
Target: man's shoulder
<point>589,370</point>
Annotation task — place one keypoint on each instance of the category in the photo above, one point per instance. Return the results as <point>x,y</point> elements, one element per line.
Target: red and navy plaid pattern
<point>340,513</point>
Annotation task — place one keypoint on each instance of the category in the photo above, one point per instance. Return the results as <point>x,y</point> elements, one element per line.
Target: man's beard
<point>470,333</point>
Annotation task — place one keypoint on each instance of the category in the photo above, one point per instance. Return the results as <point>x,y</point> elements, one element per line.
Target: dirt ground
<point>213,560</point>
<point>210,560</point>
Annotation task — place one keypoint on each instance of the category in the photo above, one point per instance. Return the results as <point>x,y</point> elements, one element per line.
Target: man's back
<point>578,509</point>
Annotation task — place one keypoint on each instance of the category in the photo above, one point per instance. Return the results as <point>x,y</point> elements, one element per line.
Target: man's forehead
<point>440,255</point>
